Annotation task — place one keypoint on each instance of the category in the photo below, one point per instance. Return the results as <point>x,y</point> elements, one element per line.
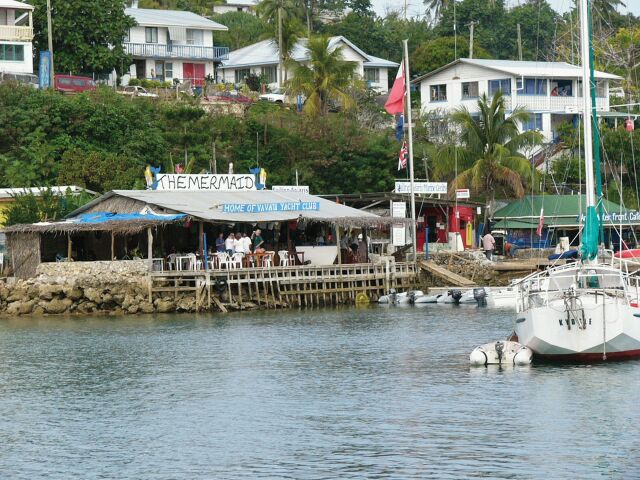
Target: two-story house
<point>246,6</point>
<point>551,91</point>
<point>16,34</point>
<point>262,59</point>
<point>170,44</point>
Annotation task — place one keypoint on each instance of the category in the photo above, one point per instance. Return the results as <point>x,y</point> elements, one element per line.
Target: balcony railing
<point>188,52</point>
<point>16,34</point>
<point>552,103</point>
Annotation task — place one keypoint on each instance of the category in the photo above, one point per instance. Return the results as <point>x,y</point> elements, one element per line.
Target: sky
<point>416,7</point>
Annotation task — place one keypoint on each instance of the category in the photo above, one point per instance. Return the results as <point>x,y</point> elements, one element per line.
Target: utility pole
<point>471,25</point>
<point>519,44</point>
<point>280,55</point>
<point>52,77</point>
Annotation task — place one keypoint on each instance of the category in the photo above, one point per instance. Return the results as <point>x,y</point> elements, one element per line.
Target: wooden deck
<point>441,272</point>
<point>285,286</point>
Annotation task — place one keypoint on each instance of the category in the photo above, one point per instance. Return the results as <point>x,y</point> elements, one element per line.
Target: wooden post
<point>201,240</point>
<point>113,246</point>
<point>338,245</point>
<point>149,249</point>
<point>69,247</point>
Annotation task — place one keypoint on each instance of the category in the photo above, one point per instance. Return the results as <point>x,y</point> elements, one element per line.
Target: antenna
<point>455,33</point>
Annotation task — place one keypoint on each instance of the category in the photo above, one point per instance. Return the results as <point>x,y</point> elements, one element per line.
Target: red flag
<point>395,102</point>
<point>540,223</point>
<point>402,159</point>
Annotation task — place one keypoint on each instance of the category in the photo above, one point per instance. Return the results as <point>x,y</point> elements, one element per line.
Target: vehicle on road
<point>74,84</point>
<point>137,91</point>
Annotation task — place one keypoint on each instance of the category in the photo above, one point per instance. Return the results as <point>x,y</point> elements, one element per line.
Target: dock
<point>285,287</point>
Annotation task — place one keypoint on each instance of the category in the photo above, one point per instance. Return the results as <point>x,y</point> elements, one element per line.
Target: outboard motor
<point>500,351</point>
<point>412,297</point>
<point>393,296</point>
<point>456,295</point>
<point>480,296</point>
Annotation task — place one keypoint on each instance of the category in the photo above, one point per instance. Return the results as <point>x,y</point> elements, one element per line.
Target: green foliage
<point>87,34</point>
<point>244,29</point>
<point>29,208</point>
<point>438,52</point>
<point>538,24</point>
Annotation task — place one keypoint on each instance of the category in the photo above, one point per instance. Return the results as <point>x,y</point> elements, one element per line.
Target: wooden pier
<point>277,287</point>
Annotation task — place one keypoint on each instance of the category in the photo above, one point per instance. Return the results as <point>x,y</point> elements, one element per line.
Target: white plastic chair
<point>171,261</point>
<point>267,260</point>
<point>236,260</point>
<point>284,258</point>
<point>223,260</point>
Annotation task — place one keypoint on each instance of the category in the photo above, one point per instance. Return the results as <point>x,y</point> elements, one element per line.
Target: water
<point>373,393</point>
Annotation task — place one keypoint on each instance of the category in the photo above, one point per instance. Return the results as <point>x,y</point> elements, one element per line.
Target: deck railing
<point>188,52</point>
<point>15,33</point>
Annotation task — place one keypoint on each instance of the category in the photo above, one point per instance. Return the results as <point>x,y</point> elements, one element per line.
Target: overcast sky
<point>416,7</point>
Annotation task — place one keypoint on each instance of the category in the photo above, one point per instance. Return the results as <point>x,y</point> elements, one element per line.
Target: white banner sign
<point>399,209</point>
<point>422,187</point>
<point>221,182</point>
<point>398,235</point>
<point>463,193</point>
<point>291,188</point>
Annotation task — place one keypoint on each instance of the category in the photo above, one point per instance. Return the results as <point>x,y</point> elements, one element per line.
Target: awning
<point>177,34</point>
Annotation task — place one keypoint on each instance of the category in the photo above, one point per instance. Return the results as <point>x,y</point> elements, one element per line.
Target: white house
<point>171,44</point>
<point>16,34</point>
<point>247,6</point>
<point>262,59</point>
<point>551,91</point>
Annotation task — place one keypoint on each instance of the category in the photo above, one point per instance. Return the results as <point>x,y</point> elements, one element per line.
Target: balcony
<point>547,103</point>
<point>186,52</point>
<point>13,33</point>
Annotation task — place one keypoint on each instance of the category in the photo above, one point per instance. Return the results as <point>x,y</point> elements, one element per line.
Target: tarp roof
<point>226,206</point>
<point>172,18</point>
<point>559,211</point>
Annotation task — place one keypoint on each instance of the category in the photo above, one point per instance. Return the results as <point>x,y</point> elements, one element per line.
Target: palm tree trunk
<point>280,53</point>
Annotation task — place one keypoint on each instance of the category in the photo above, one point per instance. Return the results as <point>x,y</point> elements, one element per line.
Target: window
<point>534,123</point>
<point>12,53</point>
<point>562,88</point>
<point>168,70</point>
<point>270,74</point>
<point>127,36</point>
<point>372,75</point>
<point>533,86</point>
<point>438,127</point>
<point>438,93</point>
<point>504,85</point>
<point>159,70</point>
<point>241,74</point>
<point>194,37</point>
<point>151,34</point>
<point>469,90</point>
<point>601,88</point>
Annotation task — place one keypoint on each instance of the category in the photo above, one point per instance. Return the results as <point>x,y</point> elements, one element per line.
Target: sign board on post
<point>463,193</point>
<point>399,230</point>
<point>439,188</point>
<point>44,71</point>
<point>221,182</point>
<point>291,188</point>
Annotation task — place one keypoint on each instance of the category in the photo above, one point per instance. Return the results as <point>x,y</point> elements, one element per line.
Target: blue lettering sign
<point>44,72</point>
<point>271,207</point>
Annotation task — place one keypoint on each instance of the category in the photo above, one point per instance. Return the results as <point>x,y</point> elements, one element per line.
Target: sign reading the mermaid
<point>439,188</point>
<point>270,207</point>
<point>186,181</point>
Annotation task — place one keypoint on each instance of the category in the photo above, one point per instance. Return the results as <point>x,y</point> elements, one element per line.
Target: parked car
<point>74,84</point>
<point>137,91</point>
<point>278,95</point>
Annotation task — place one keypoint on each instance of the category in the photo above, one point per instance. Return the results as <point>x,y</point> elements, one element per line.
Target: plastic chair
<point>267,260</point>
<point>284,258</point>
<point>236,260</point>
<point>223,260</point>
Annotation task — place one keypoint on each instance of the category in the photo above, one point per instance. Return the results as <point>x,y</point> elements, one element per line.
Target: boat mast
<point>590,236</point>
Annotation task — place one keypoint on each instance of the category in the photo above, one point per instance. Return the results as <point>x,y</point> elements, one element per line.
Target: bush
<point>134,82</point>
<point>253,82</point>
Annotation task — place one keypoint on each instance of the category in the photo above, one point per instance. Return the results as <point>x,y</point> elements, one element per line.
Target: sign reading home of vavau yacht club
<point>270,207</point>
<point>220,182</point>
<point>422,187</point>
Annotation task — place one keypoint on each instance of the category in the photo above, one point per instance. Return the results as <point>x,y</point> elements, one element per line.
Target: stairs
<point>452,278</point>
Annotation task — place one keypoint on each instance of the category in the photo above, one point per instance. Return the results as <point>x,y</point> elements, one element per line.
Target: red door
<point>193,72</point>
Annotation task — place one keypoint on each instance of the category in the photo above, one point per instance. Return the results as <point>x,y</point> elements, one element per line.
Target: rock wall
<point>93,274</point>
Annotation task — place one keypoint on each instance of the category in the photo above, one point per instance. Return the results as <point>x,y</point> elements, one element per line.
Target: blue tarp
<point>104,217</point>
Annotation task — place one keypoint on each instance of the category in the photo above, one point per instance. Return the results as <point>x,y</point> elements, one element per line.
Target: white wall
<point>25,66</point>
<point>138,35</point>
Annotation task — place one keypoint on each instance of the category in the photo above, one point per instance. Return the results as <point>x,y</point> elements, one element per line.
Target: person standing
<point>220,243</point>
<point>246,243</point>
<point>238,244</point>
<point>489,244</point>
<point>258,242</point>
<point>229,244</point>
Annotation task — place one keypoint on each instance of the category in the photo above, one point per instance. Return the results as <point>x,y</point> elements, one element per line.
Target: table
<point>256,257</point>
<point>189,259</point>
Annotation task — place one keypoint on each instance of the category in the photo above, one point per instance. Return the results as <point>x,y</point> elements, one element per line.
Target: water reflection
<point>343,393</point>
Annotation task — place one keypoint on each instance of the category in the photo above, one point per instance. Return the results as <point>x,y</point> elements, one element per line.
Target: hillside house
<point>16,34</point>
<point>246,6</point>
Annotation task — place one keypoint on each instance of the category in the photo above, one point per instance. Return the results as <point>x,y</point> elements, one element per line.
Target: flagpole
<point>410,131</point>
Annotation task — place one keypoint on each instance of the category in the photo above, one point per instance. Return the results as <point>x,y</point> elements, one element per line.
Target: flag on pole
<point>395,102</point>
<point>400,127</point>
<point>404,154</point>
<point>540,223</point>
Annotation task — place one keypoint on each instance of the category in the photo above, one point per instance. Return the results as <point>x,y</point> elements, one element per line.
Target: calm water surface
<point>373,393</point>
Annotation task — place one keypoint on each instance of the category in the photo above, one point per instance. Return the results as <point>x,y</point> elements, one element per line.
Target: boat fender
<point>522,357</point>
<point>478,358</point>
<point>362,299</point>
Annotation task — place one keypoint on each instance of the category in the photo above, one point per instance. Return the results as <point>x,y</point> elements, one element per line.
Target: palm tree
<point>326,76</point>
<point>489,154</point>
<point>277,11</point>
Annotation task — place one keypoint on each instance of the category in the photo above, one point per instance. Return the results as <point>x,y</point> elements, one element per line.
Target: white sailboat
<point>582,311</point>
